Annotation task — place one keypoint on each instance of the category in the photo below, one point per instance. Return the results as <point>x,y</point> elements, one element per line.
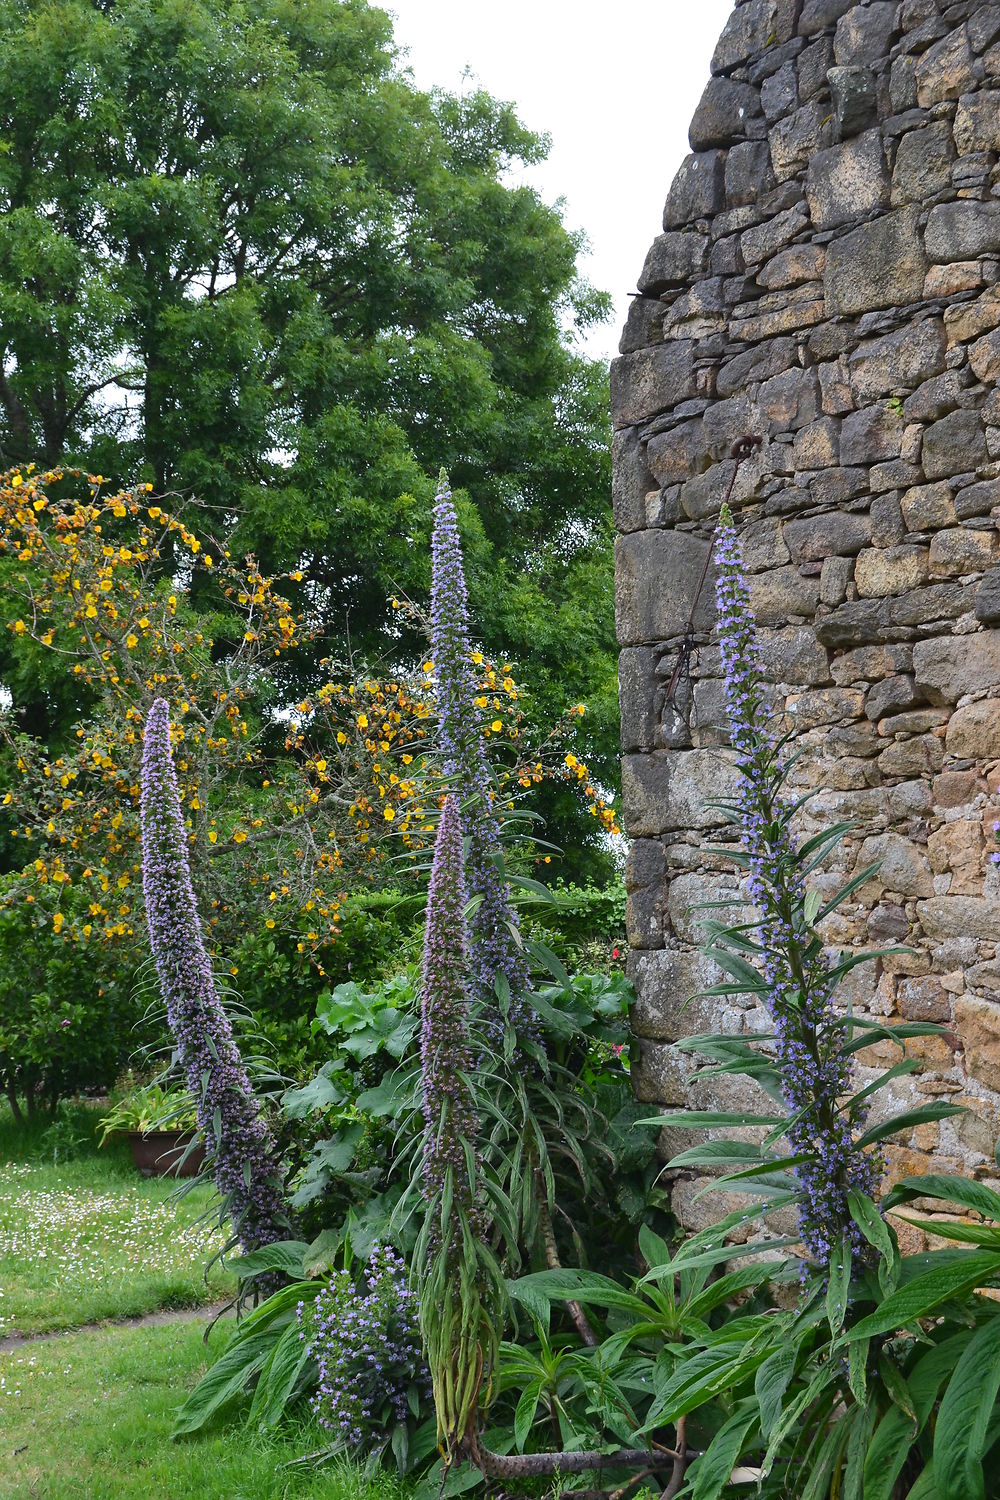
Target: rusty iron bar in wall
<point>739,452</point>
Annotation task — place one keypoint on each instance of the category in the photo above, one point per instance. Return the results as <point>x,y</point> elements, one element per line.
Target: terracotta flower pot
<point>159,1153</point>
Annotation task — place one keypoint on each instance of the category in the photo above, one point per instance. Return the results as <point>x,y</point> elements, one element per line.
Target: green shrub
<point>68,1020</point>
<point>279,986</point>
<point>583,925</point>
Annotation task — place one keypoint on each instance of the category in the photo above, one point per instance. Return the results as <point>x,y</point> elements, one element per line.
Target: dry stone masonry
<point>828,279</point>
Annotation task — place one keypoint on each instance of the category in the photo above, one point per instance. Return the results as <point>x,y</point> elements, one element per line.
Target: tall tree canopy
<point>244,259</point>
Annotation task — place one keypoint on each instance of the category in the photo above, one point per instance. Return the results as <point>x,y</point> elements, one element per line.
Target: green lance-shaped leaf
<point>966,1409</point>
<point>709,1475</point>
<point>838,1283</point>
<point>962,1191</point>
<point>772,1381</point>
<point>887,1454</point>
<point>925,1293</point>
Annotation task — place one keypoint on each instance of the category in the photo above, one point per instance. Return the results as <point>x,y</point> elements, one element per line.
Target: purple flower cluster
<point>243,1156</point>
<point>494,951</point>
<point>814,1067</point>
<point>450,1118</point>
<point>366,1345</point>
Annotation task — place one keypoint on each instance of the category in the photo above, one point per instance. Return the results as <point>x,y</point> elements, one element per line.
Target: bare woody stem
<point>529,1465</point>
<point>553,1262</point>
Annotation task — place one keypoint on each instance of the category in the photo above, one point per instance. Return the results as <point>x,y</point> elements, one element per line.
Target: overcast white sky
<point>614,84</point>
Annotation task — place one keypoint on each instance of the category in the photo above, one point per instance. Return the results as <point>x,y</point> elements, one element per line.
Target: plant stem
<point>529,1465</point>
<point>680,1463</point>
<point>553,1262</point>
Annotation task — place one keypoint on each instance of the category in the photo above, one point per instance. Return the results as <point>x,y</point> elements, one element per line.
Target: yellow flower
<point>19,627</point>
<point>239,837</point>
<point>57,921</point>
<point>496,726</point>
<point>388,815</point>
<point>213,837</point>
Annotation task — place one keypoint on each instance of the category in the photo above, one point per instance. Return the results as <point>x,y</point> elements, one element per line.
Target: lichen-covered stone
<point>698,191</point>
<point>923,164</point>
<point>987,603</point>
<point>649,381</point>
<point>977,122</point>
<point>892,695</point>
<point>842,533</point>
<point>962,230</point>
<point>945,71</point>
<point>779,595</point>
<point>926,507</point>
<point>974,500</point>
<point>795,139</point>
<point>978,1025</point>
<point>724,114</point>
<point>974,731</point>
<point>655,575</point>
<point>847,182</point>
<point>673,258</point>
<point>880,571</point>
<point>959,551</point>
<point>948,666</point>
<point>902,866</point>
<point>854,95</point>
<point>906,357</point>
<point>954,445</point>
<point>872,435</point>
<point>881,264</point>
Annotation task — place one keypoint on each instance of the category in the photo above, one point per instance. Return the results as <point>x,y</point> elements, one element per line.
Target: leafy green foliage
<point>64,1025</point>
<point>279,985</point>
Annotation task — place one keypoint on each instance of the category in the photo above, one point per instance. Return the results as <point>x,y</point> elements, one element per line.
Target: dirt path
<point>148,1320</point>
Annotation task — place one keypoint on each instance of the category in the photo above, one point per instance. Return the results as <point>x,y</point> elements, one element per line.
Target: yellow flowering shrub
<point>290,800</point>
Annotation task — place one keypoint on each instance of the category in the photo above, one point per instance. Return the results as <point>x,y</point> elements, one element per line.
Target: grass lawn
<point>87,1416</point>
<point>83,1237</point>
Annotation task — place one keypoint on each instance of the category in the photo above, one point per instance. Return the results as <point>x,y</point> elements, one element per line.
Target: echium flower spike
<point>243,1154</point>
<point>460,1316</point>
<point>815,1070</point>
<point>494,949</point>
<point>445,1055</point>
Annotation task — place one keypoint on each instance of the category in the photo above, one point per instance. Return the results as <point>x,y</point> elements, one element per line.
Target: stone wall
<point>827,279</point>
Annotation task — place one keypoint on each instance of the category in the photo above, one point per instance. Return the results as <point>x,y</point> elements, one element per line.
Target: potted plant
<point>160,1123</point>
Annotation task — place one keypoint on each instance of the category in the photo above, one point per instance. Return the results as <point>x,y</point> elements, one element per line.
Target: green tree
<point>243,258</point>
